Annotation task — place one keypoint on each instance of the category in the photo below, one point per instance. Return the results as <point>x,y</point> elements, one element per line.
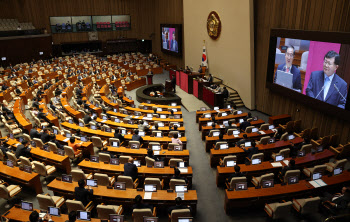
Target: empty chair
<point>175,214</point>
<point>232,184</point>
<point>104,180</point>
<point>249,129</point>
<point>341,151</point>
<point>264,126</point>
<point>306,148</point>
<point>284,136</point>
<point>278,210</point>
<point>53,147</point>
<point>104,157</point>
<point>218,144</point>
<point>257,156</point>
<point>307,205</point>
<point>75,205</point>
<point>316,169</point>
<point>156,181</point>
<point>264,140</point>
<point>134,144</point>
<point>124,159</point>
<point>230,131</point>
<point>138,214</point>
<point>26,137</point>
<point>46,201</point>
<point>174,182</point>
<point>173,162</point>
<point>11,156</point>
<point>39,143</point>
<point>9,191</point>
<point>79,174</point>
<point>43,170</point>
<point>283,152</point>
<point>149,161</point>
<point>157,133</point>
<point>171,146</point>
<point>257,180</point>
<point>98,142</point>
<point>104,211</point>
<point>129,183</point>
<point>336,164</point>
<point>26,161</point>
<point>291,173</point>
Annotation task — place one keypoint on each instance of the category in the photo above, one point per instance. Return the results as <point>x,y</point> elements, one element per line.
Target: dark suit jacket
<point>225,93</point>
<point>130,170</point>
<point>296,75</point>
<point>34,134</point>
<point>316,82</point>
<point>285,169</point>
<point>251,151</point>
<point>137,138</point>
<point>342,202</point>
<point>83,195</point>
<point>87,119</point>
<point>119,136</point>
<point>22,151</point>
<point>244,125</point>
<point>45,137</point>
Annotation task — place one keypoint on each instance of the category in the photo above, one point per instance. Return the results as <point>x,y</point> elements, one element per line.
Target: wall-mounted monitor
<point>171,39</point>
<point>312,68</point>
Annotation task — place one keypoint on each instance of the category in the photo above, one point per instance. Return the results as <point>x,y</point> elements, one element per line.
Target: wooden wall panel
<point>320,15</point>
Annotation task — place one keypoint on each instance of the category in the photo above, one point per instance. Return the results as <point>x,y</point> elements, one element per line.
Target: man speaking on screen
<point>173,45</point>
<point>288,67</point>
<point>326,85</point>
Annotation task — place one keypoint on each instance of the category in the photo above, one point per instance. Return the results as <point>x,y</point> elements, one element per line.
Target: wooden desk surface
<point>203,121</point>
<point>161,106</point>
<point>151,111</point>
<point>144,118</point>
<point>19,115</point>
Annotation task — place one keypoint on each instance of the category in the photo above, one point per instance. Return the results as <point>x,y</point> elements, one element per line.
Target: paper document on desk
<point>147,196</point>
<point>314,184</point>
<point>156,152</point>
<point>182,195</point>
<point>66,140</point>
<point>222,126</point>
<point>235,136</point>
<point>321,182</point>
<point>277,164</point>
<point>103,121</point>
<point>147,118</point>
<point>183,170</point>
<point>286,162</point>
<point>66,105</point>
<point>262,132</point>
<point>42,215</point>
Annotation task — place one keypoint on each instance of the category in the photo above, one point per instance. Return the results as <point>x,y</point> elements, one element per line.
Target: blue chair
<point>63,27</point>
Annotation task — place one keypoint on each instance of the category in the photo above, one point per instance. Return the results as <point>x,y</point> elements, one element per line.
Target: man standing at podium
<point>288,67</point>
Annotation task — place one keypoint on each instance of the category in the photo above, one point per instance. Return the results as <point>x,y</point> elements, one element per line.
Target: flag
<point>204,57</point>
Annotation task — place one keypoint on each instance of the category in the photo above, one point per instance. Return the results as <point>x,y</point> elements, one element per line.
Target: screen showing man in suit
<point>169,39</point>
<point>173,45</point>
<point>326,85</point>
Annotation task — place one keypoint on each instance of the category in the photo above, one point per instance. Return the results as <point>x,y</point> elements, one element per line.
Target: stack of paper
<point>318,183</point>
<point>183,170</point>
<point>147,196</point>
<point>262,132</point>
<point>181,195</point>
<point>286,162</point>
<point>276,164</point>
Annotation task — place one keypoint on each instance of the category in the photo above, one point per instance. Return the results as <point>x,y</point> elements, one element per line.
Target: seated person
<point>78,133</point>
<point>119,136</point>
<point>237,173</point>
<point>130,169</point>
<point>337,201</point>
<point>82,194</point>
<point>245,124</point>
<point>23,150</point>
<point>176,139</point>
<point>53,140</point>
<point>278,134</point>
<point>74,145</point>
<point>177,176</point>
<point>137,137</point>
<point>171,116</point>
<point>34,134</point>
<point>34,217</point>
<point>140,205</point>
<point>179,206</point>
<point>291,166</point>
<point>242,141</point>
<point>252,150</point>
<point>45,136</point>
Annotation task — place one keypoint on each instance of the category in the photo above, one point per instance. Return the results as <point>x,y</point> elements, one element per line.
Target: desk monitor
<point>181,164</point>
<point>27,205</point>
<point>123,131</point>
<point>159,109</point>
<point>209,123</point>
<point>279,158</point>
<point>236,132</point>
<point>67,178</point>
<point>149,115</point>
<point>184,219</point>
<point>83,215</point>
<point>104,117</point>
<point>134,146</point>
<point>94,159</point>
<point>272,140</point>
<point>46,148</point>
<point>3,58</point>
<point>120,185</point>
<point>150,219</point>
<point>284,79</point>
<point>115,144</point>
<point>54,211</point>
<point>94,116</point>
<point>271,127</point>
<point>216,133</point>
<point>150,188</point>
<point>83,139</point>
<point>137,163</point>
<point>142,133</point>
<point>116,218</point>
<point>125,112</point>
<point>178,148</point>
<point>180,188</point>
<point>319,149</point>
<point>137,113</point>
<point>93,127</point>
<point>27,169</point>
<point>9,163</point>
<point>114,161</point>
<point>228,107</point>
<point>174,110</point>
<point>241,186</point>
<point>239,112</point>
<point>43,127</point>
<point>55,131</point>
<point>247,144</point>
<point>160,124</point>
<point>20,139</point>
<point>230,163</point>
<point>241,120</point>
<point>223,146</point>
<point>301,153</point>
<point>145,123</point>
<point>177,116</point>
<point>290,137</point>
<point>216,108</point>
<point>158,164</point>
<point>173,104</point>
<point>207,115</point>
<point>267,183</point>
<point>293,179</point>
<point>316,176</point>
<point>80,124</point>
<point>255,118</point>
<point>115,110</point>
<point>158,134</point>
<point>156,147</point>
<point>145,107</point>
<point>254,130</point>
<point>225,123</point>
<point>338,171</point>
<point>117,120</point>
<point>203,109</point>
<point>129,97</point>
<point>68,135</point>
<point>162,116</point>
<point>61,152</point>
<point>256,161</point>
<point>224,114</point>
<point>91,182</point>
<point>70,121</point>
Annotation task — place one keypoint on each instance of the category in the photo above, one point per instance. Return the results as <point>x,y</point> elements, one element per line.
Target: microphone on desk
<point>319,92</point>
<point>339,91</point>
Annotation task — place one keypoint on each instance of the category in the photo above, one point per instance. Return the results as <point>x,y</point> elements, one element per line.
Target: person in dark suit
<point>119,136</point>
<point>82,194</point>
<point>34,217</point>
<point>137,137</point>
<point>41,115</point>
<point>87,118</point>
<point>237,173</point>
<point>4,87</point>
<point>130,169</point>
<point>179,206</point>
<point>225,93</point>
<point>288,67</point>
<point>326,85</point>
<point>53,140</point>
<point>22,150</point>
<point>4,147</point>
<point>34,134</point>
<point>244,124</point>
<point>252,150</point>
<point>210,79</point>
<point>338,201</point>
<point>173,83</point>
<point>177,176</point>
<point>243,140</point>
<point>72,216</point>
<point>291,166</point>
<point>173,44</point>
<point>139,204</point>
<point>45,136</point>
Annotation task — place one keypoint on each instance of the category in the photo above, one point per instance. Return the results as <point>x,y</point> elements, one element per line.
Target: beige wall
<point>231,56</point>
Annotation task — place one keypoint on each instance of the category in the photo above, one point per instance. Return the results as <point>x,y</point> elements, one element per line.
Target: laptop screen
<point>216,108</point>
<point>68,135</point>
<point>230,163</point>
<point>80,124</point>
<point>54,211</point>
<point>290,137</point>
<point>293,180</point>
<point>316,176</point>
<point>203,108</point>
<point>46,148</point>
<point>207,116</point>
<point>114,161</point>
<point>228,106</point>
<point>155,147</point>
<point>27,206</point>
<point>180,188</point>
<point>248,144</point>
<point>185,219</point>
<point>56,132</point>
<point>271,127</point>
<point>123,132</point>
<point>145,107</point>
<point>301,153</point>
<point>254,130</point>
<point>27,169</point>
<point>91,182</point>
<point>150,219</point>
<point>163,116</point>
<point>338,170</point>
<point>239,112</point>
<point>173,104</point>
<point>20,139</point>
<point>209,123</point>
<point>279,158</point>
<point>181,164</point>
<point>158,134</point>
<point>61,152</point>
<point>93,127</point>
<point>67,178</point>
<point>224,114</point>
<point>159,109</point>
<point>161,124</point>
<point>83,138</point>
<point>108,130</point>
<point>70,121</point>
<point>120,186</point>
<point>241,120</point>
<point>216,133</point>
<point>116,218</point>
<point>83,215</point>
<point>178,148</point>
<point>236,132</point>
<point>223,146</point>
<point>94,159</point>
<point>241,186</point>
<point>255,118</point>
<point>225,123</point>
<point>9,163</point>
<point>319,149</point>
<point>137,163</point>
<point>256,161</point>
<point>117,120</point>
<point>267,183</point>
<point>115,144</point>
<point>149,115</point>
<point>177,117</point>
<point>150,188</point>
<point>134,146</point>
<point>159,164</point>
<point>11,136</point>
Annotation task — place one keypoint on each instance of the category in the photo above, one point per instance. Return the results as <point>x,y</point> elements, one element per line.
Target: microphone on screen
<point>319,92</point>
<point>339,92</point>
